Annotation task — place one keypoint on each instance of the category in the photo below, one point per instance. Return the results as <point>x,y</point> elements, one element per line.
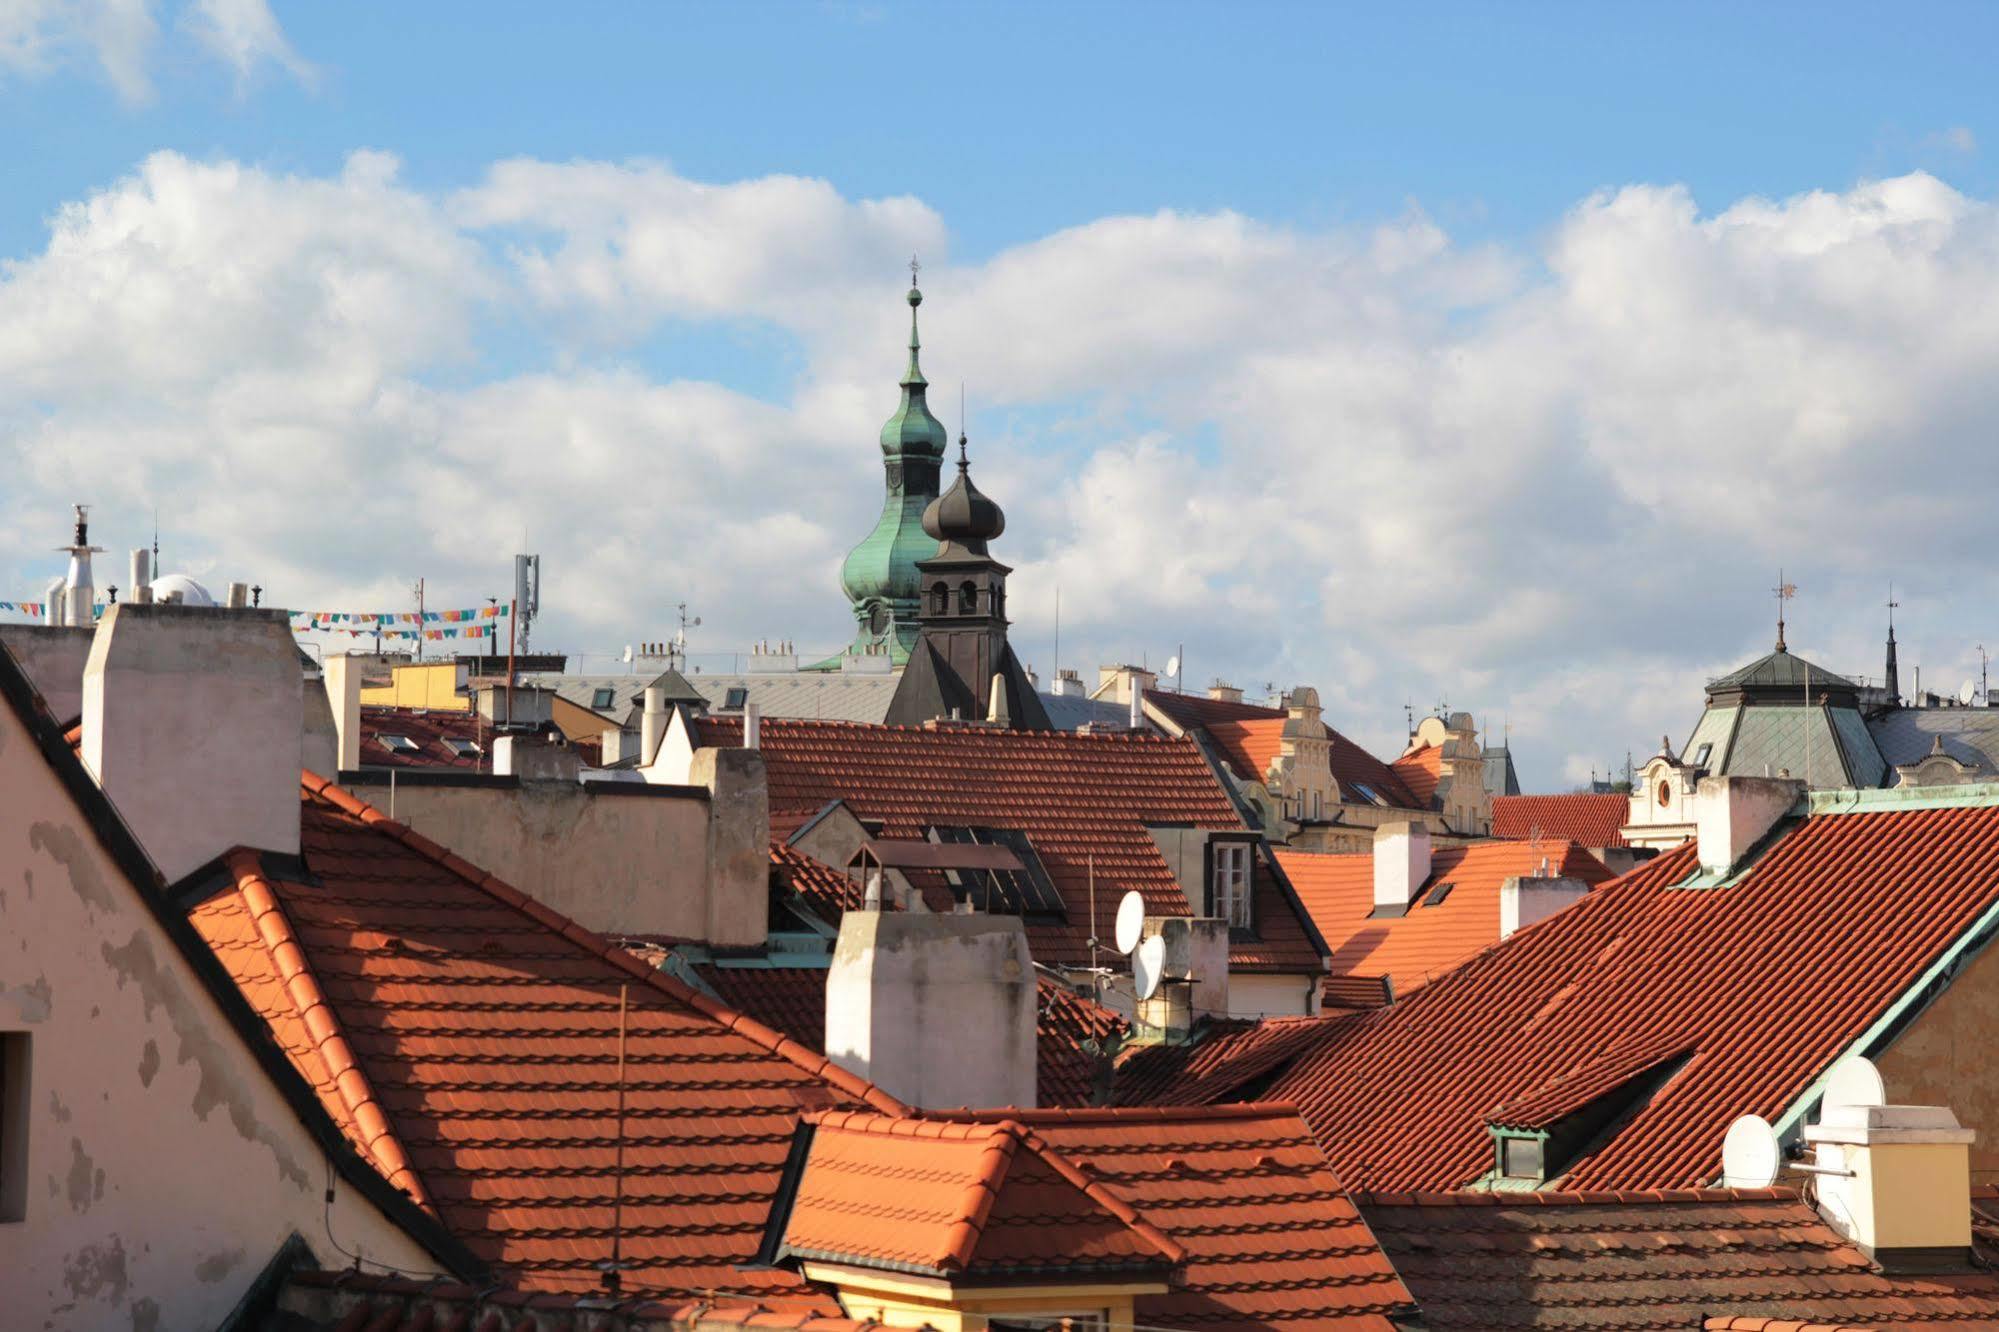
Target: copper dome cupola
<point>963,516</point>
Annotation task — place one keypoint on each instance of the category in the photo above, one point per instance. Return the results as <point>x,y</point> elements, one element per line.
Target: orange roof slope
<point>1228,1055</point>
<point>481,1029</point>
<point>1248,738</point>
<point>1766,981</point>
<point>1490,1262</point>
<point>1077,797</point>
<point>964,1200</point>
<point>1421,770</point>
<point>1271,1238</point>
<point>1430,939</point>
<point>1588,820</point>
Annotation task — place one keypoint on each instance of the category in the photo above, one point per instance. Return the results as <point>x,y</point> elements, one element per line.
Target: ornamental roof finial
<point>914,375</point>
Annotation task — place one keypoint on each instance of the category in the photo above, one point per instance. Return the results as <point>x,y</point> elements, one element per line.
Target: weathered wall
<point>619,859</point>
<point>1945,1058</point>
<point>163,1167</point>
<point>1260,994</point>
<point>53,659</point>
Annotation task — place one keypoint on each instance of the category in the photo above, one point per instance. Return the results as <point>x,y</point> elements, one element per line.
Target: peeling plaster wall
<point>164,1169</point>
<point>1944,1057</point>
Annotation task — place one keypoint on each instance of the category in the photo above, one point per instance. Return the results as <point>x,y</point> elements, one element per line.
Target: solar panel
<point>1027,891</point>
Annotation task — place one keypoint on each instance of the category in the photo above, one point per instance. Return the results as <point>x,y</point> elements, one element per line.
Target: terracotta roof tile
<point>1588,820</point>
<point>1429,940</point>
<point>1078,798</point>
<point>961,1199</point>
<point>1399,1097</point>
<point>1248,737</point>
<point>1631,1261</point>
<point>1271,1237</point>
<point>485,1029</point>
<point>1225,1059</point>
<point>429,731</point>
<point>1421,770</point>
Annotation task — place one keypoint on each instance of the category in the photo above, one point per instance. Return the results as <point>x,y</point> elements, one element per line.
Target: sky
<point>1496,356</point>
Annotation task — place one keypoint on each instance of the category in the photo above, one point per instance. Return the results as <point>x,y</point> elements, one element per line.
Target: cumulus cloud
<point>1549,486</point>
<point>120,37</point>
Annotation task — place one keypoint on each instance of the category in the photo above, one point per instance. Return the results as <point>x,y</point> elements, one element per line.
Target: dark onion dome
<point>962,515</point>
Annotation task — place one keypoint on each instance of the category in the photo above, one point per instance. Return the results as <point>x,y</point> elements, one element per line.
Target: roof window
<point>1368,793</point>
<point>1436,896</point>
<point>1027,891</point>
<point>603,698</point>
<point>460,747</point>
<point>397,744</point>
<point>736,698</point>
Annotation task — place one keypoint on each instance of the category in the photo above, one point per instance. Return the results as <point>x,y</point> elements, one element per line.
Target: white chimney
<point>936,1009</point>
<point>1526,899</point>
<point>996,709</point>
<point>1401,864</point>
<point>536,758</point>
<point>55,606</point>
<point>239,596</point>
<point>752,726</point>
<point>142,576</point>
<point>1224,693</point>
<point>1137,704</point>
<point>1066,684</point>
<point>192,726</point>
<point>1732,814</point>
<point>1907,1200</point>
<point>342,677</point>
<point>652,724</point>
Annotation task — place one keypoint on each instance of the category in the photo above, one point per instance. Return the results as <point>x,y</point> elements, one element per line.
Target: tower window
<point>968,598</point>
<point>940,599</point>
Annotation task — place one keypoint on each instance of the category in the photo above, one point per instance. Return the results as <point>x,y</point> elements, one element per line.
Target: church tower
<point>961,664</point>
<point>879,576</point>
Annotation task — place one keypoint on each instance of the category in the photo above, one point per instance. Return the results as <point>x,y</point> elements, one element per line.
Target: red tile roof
<point>792,999</point>
<point>1588,820</point>
<point>1421,770</point>
<point>1828,929</point>
<point>1248,738</point>
<point>962,1200</point>
<point>1076,797</point>
<point>1270,1235</point>
<point>428,730</point>
<point>1417,947</point>
<point>1491,1262</point>
<point>467,1037</point>
<point>1227,1056</point>
<point>350,1301</point>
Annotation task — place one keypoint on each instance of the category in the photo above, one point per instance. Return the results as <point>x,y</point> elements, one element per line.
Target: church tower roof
<point>962,516</point>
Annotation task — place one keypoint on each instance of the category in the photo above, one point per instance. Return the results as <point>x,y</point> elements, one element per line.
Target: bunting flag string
<point>330,619</point>
<point>25,607</point>
<point>468,631</point>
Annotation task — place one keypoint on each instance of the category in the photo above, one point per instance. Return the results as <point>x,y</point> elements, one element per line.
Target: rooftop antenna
<point>1783,592</point>
<point>1058,631</point>
<point>680,637</point>
<point>613,1271</point>
<point>1984,684</point>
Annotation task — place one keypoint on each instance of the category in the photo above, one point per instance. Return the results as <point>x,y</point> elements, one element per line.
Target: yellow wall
<point>576,721</point>
<point>1945,1058</point>
<point>432,685</point>
<point>912,1301</point>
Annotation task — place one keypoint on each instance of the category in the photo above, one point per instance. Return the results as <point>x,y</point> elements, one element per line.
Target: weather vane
<point>914,268</point>
<point>1783,592</point>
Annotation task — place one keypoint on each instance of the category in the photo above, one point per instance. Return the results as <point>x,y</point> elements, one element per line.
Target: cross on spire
<point>914,269</point>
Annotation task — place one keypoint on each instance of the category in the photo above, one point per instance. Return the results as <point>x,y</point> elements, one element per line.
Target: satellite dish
<point>1148,964</point>
<point>1853,1081</point>
<point>1750,1155</point>
<point>1130,921</point>
<point>1967,691</point>
<point>1173,667</point>
<point>628,654</point>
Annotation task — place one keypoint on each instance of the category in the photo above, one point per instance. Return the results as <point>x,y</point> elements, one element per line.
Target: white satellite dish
<point>1130,921</point>
<point>1967,691</point>
<point>1148,964</point>
<point>1750,1155</point>
<point>1853,1081</point>
<point>627,658</point>
<point>1173,667</point>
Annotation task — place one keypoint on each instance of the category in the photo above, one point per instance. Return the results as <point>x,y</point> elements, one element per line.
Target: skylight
<point>461,747</point>
<point>397,744</point>
<point>1027,891</point>
<point>1436,896</point>
<point>1368,794</point>
<point>737,697</point>
<point>603,698</point>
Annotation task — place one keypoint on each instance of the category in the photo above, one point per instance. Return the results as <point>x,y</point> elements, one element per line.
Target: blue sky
<point>1484,353</point>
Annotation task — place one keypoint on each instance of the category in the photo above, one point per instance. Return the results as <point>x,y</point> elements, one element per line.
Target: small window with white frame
<point>1229,886</point>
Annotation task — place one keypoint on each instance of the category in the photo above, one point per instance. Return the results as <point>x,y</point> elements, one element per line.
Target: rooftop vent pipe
<point>752,726</point>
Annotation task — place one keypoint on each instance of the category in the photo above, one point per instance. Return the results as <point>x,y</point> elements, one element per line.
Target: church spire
<point>913,377</point>
<point>1892,680</point>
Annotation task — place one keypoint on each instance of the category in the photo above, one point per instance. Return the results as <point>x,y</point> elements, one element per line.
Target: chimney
<point>752,726</point>
<point>1067,684</point>
<point>652,724</point>
<point>1137,704</point>
<point>996,705</point>
<point>1907,1199</point>
<point>142,576</point>
<point>342,677</point>
<point>1526,899</point>
<point>1401,865</point>
<point>192,725</point>
<point>1733,814</point>
<point>239,596</point>
<point>1224,693</point>
<point>536,758</point>
<point>1194,976</point>
<point>55,605</point>
<point>936,1009</point>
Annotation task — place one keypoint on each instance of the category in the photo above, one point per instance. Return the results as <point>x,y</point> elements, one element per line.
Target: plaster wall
<point>433,685</point>
<point>938,1010</point>
<point>163,1168</point>
<point>52,658</point>
<point>1267,994</point>
<point>618,863</point>
<point>1945,1058</point>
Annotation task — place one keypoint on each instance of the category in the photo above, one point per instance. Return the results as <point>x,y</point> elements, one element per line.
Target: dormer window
<point>1229,882</point>
<point>1541,1136</point>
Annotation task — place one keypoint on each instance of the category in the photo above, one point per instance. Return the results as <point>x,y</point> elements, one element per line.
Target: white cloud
<point>121,38</point>
<point>1548,486</point>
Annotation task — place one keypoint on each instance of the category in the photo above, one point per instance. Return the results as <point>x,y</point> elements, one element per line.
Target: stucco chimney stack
<point>192,725</point>
<point>752,726</point>
<point>1733,814</point>
<point>1526,899</point>
<point>239,596</point>
<point>1401,864</point>
<point>936,1009</point>
<point>142,576</point>
<point>1907,1199</point>
<point>652,724</point>
<point>342,677</point>
<point>1137,704</point>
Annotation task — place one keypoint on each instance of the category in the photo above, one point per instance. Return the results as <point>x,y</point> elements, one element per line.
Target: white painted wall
<point>1264,994</point>
<point>163,1167</point>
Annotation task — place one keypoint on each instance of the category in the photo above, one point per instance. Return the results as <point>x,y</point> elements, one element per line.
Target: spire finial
<point>962,464</point>
<point>1892,604</point>
<point>914,269</point>
<point>1783,592</point>
<point>915,372</point>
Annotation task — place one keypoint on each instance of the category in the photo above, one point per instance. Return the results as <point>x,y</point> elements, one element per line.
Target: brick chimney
<point>193,726</point>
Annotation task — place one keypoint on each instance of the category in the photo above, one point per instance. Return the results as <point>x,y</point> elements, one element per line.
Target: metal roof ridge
<point>1871,800</point>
